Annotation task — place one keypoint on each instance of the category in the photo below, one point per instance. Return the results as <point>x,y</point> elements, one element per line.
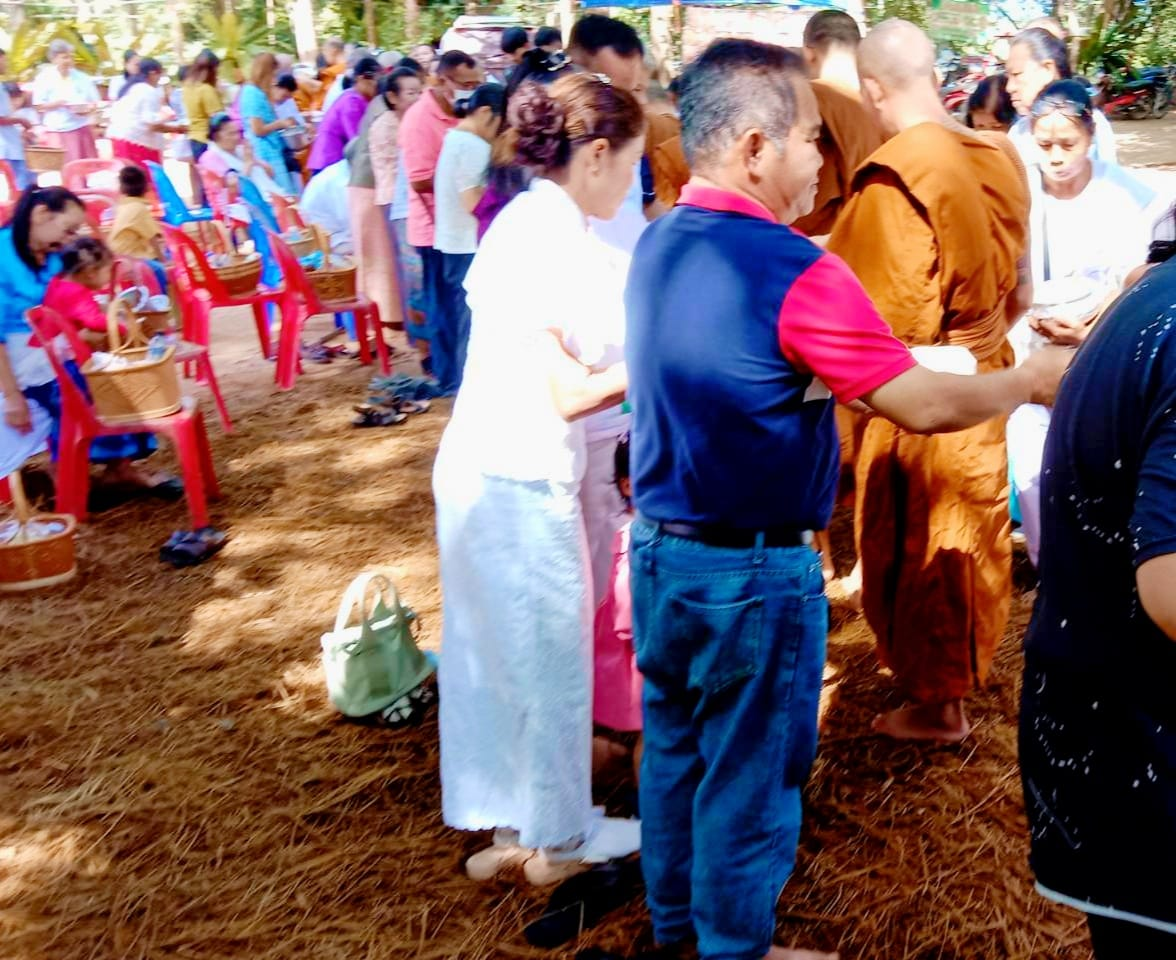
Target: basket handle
<point>356,594</point>
<point>20,502</point>
<point>118,312</point>
<point>324,243</point>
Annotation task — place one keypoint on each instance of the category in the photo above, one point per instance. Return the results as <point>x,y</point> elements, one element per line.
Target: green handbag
<point>373,664</point>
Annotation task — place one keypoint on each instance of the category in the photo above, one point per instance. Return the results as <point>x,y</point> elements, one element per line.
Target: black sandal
<point>409,710</point>
<point>373,416</point>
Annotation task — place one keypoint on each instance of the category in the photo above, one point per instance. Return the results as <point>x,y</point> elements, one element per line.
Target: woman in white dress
<point>1090,225</point>
<point>516,657</point>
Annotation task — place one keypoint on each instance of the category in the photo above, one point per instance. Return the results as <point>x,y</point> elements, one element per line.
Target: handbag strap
<point>356,594</point>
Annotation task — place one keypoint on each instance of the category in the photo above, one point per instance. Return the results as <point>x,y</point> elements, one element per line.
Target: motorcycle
<point>1137,96</point>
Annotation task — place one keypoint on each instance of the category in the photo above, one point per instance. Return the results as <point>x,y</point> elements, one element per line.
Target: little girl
<point>87,270</point>
<point>617,686</point>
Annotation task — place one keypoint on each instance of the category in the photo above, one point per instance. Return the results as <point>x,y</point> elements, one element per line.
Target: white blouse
<point>74,88</point>
<point>538,268</point>
<point>133,114</point>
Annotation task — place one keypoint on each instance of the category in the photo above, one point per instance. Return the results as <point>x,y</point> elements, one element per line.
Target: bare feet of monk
<point>784,953</point>
<point>940,722</point>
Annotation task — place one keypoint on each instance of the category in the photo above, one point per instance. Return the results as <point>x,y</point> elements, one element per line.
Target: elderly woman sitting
<point>228,159</point>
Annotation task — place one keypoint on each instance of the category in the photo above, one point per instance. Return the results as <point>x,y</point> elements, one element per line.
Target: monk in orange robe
<point>848,133</point>
<point>935,228</point>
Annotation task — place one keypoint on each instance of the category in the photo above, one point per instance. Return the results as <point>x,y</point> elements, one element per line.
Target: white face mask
<point>461,96</point>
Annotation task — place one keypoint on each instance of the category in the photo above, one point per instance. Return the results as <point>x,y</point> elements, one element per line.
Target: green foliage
<point>916,11</point>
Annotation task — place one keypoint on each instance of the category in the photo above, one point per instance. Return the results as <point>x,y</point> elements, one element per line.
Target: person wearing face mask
<point>422,133</point>
<point>932,512</point>
<point>458,186</point>
<point>1038,58</point>
<point>345,117</point>
<point>516,703</point>
<point>1090,225</point>
<point>734,460</point>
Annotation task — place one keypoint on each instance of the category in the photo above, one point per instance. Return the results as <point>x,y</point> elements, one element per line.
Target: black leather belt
<point>717,535</point>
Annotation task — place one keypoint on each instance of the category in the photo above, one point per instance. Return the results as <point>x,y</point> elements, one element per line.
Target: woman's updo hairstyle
<point>549,122</point>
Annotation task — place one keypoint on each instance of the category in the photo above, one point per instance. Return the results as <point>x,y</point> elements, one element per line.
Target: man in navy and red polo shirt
<point>739,331</point>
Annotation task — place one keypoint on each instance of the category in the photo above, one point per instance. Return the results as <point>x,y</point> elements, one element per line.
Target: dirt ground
<point>1147,142</point>
<point>176,785</point>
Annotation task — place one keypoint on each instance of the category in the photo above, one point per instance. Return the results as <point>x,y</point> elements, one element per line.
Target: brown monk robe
<point>667,162</point>
<point>848,136</point>
<point>934,229</point>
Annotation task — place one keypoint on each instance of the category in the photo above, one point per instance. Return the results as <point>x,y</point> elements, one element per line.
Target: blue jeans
<point>451,332</point>
<point>732,646</point>
<point>24,176</point>
<point>439,362</point>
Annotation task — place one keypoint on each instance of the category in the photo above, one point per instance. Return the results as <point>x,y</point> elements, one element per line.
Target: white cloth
<point>324,202</point>
<point>288,110</point>
<point>114,88</point>
<point>516,654</point>
<point>1103,148</point>
<point>1025,433</point>
<point>334,92</point>
<point>132,115</point>
<point>73,89</point>
<point>462,165</point>
<point>16,447</point>
<point>30,365</point>
<point>11,137</point>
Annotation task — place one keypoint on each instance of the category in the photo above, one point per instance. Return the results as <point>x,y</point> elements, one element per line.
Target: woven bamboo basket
<point>44,159</point>
<point>143,389</point>
<point>40,551</point>
<point>242,275</point>
<point>306,244</point>
<point>334,280</point>
<point>152,322</point>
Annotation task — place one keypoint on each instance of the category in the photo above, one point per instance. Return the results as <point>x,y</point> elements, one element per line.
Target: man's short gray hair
<point>58,47</point>
<point>733,86</point>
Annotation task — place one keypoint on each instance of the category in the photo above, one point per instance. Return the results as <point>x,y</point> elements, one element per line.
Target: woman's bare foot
<point>125,472</point>
<point>940,722</point>
<point>786,953</point>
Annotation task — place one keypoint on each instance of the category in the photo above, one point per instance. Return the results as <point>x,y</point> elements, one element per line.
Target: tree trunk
<point>271,23</point>
<point>369,22</point>
<point>412,17</point>
<point>175,12</point>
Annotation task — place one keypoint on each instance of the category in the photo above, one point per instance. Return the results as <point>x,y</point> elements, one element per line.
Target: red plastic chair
<point>76,176</point>
<point>80,425</point>
<point>303,303</point>
<point>201,291</point>
<point>99,210</point>
<point>289,217</point>
<point>9,179</point>
<point>193,357</point>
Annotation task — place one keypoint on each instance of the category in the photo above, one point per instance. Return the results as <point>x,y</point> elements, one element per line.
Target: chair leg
<point>286,369</point>
<point>204,364</point>
<point>187,441</point>
<point>261,320</point>
<point>211,485</point>
<point>73,472</point>
<point>361,335</point>
<point>381,345</point>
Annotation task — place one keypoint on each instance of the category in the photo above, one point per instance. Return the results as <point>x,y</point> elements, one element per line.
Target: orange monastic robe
<point>934,228</point>
<point>667,162</point>
<point>848,136</point>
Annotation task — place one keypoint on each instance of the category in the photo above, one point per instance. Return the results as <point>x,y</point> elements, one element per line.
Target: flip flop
<point>170,490</point>
<point>186,549</point>
<point>372,416</point>
<point>412,406</point>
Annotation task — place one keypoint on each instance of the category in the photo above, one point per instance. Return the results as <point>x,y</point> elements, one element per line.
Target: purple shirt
<point>339,127</point>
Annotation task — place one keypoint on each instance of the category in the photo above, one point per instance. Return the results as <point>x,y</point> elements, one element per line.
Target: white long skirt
<point>516,657</point>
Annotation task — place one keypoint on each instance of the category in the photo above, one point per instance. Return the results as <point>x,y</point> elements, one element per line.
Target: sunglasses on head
<point>1062,105</point>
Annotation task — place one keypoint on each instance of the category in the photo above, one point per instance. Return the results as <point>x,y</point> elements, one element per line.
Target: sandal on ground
<point>373,416</point>
<point>188,548</point>
<point>171,489</point>
<point>317,353</point>
<point>583,901</point>
<point>412,406</point>
<point>407,711</point>
<point>489,863</point>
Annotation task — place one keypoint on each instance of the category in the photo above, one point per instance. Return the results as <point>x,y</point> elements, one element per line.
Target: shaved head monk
<point>848,133</point>
<point>934,229</point>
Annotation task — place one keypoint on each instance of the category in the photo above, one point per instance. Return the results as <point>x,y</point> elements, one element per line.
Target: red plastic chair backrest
<point>192,269</point>
<point>76,174</point>
<point>48,325</point>
<point>295,274</point>
<point>133,272</point>
<point>287,214</point>
<point>9,179</point>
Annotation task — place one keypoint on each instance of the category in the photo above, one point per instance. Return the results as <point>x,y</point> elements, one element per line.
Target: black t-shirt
<point>1098,719</point>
